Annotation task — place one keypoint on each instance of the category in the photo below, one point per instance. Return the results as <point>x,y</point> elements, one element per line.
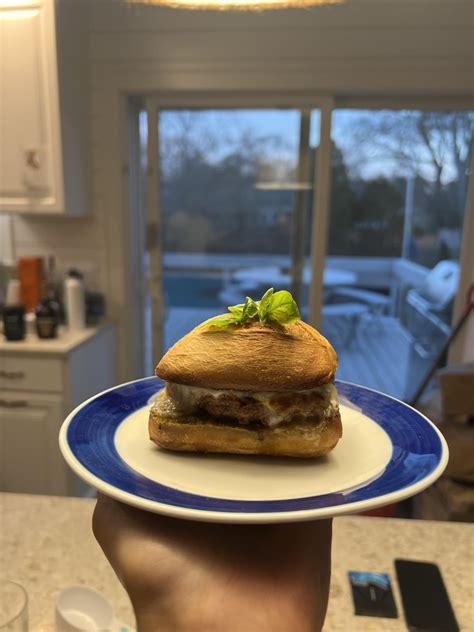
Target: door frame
<point>322,177</point>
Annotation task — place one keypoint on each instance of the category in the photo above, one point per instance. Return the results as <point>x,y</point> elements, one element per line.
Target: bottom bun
<point>194,434</point>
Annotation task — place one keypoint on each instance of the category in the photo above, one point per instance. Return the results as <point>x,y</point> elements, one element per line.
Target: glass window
<point>399,182</point>
<point>236,195</point>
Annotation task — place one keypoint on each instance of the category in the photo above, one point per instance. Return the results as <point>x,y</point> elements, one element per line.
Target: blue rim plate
<point>417,455</point>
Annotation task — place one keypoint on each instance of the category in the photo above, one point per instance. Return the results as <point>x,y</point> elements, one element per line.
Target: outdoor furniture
<point>349,316</point>
<point>428,307</point>
<point>436,295</point>
<point>250,279</point>
<point>377,304</point>
<point>426,319</point>
<point>235,293</point>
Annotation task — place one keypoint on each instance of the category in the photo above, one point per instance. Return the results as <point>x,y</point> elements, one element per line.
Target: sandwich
<point>257,380</point>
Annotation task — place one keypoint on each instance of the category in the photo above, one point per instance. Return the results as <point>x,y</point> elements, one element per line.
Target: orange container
<point>30,274</point>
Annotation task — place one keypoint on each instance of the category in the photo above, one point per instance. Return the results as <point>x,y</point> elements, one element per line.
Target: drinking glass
<point>13,607</point>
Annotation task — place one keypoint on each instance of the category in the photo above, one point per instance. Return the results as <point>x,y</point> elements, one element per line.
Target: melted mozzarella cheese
<point>189,397</point>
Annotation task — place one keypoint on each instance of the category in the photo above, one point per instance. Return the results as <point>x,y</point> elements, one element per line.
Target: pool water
<point>202,290</point>
<point>192,291</point>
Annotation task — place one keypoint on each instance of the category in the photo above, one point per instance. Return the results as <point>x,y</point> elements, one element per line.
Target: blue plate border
<point>417,451</point>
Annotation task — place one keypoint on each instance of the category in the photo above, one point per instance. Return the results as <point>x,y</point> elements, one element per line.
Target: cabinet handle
<point>13,403</point>
<point>32,159</point>
<point>12,375</point>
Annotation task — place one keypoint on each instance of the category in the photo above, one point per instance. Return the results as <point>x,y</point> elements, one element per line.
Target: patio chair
<point>377,304</point>
<point>349,316</point>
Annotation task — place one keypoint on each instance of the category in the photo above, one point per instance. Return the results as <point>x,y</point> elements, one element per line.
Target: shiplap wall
<point>359,48</point>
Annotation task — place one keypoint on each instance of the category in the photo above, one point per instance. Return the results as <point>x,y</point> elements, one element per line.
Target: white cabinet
<point>43,112</point>
<point>29,427</point>
<point>40,383</point>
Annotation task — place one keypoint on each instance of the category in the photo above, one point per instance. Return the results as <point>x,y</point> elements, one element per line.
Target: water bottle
<point>74,301</point>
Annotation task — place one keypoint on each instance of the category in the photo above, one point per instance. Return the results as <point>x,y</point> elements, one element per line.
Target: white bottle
<point>74,303</point>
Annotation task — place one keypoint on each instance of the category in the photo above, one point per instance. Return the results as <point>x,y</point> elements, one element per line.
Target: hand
<point>194,576</point>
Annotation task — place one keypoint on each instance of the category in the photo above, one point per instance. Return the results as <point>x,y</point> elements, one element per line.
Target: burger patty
<point>269,409</point>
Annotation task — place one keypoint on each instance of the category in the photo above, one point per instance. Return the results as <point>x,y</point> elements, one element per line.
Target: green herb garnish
<point>273,308</point>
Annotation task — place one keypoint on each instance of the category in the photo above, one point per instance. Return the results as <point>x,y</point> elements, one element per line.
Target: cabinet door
<point>30,164</point>
<point>30,460</point>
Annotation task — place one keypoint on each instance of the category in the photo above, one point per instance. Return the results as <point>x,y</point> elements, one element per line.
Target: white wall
<point>76,243</point>
<point>362,48</point>
<point>358,47</point>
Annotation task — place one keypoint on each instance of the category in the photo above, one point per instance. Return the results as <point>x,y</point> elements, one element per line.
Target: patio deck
<point>377,358</point>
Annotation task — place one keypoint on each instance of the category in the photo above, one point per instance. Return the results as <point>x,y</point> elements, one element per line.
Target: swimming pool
<point>197,290</point>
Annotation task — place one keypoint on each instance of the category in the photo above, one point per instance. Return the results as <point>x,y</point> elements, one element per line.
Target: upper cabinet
<point>43,108</point>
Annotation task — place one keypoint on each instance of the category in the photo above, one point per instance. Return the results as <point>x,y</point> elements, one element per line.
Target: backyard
<point>236,204</point>
<point>377,348</point>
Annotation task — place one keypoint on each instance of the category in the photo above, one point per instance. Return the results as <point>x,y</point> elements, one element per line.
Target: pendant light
<point>235,5</point>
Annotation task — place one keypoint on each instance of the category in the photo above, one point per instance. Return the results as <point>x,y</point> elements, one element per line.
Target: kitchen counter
<point>64,343</point>
<point>46,544</point>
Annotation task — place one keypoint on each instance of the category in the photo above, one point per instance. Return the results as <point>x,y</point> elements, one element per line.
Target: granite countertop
<point>46,544</point>
<point>64,343</point>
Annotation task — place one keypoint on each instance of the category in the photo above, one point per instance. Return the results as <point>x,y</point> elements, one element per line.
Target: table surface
<point>65,342</point>
<point>46,544</point>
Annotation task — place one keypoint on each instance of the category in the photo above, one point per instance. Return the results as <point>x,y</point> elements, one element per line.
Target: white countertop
<point>64,343</point>
<point>46,544</point>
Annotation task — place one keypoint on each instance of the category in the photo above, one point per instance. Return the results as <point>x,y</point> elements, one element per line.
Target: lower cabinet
<point>38,389</point>
<point>30,460</point>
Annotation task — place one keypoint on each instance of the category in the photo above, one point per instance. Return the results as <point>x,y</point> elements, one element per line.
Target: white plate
<point>388,452</point>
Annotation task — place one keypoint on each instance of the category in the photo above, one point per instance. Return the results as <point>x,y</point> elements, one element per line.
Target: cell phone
<point>424,597</point>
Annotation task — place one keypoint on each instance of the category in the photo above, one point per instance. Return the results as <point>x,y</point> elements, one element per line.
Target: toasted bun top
<point>253,357</point>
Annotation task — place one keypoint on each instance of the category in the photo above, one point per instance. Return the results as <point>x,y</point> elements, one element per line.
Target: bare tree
<point>433,145</point>
<point>210,164</point>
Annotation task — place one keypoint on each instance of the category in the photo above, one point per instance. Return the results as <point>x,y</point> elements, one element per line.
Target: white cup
<point>82,609</point>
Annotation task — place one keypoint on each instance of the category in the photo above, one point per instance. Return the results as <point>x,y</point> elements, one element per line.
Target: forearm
<point>281,618</point>
<point>237,603</point>
<point>152,623</point>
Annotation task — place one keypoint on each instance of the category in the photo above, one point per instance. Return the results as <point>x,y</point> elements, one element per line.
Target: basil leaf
<point>264,304</point>
<point>236,310</point>
<point>222,322</point>
<point>274,307</point>
<point>283,308</point>
<point>250,309</point>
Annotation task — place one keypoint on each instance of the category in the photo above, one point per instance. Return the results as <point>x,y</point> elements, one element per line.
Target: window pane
<point>399,182</point>
<point>236,195</point>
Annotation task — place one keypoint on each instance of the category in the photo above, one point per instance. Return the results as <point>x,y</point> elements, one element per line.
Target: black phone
<point>424,597</point>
